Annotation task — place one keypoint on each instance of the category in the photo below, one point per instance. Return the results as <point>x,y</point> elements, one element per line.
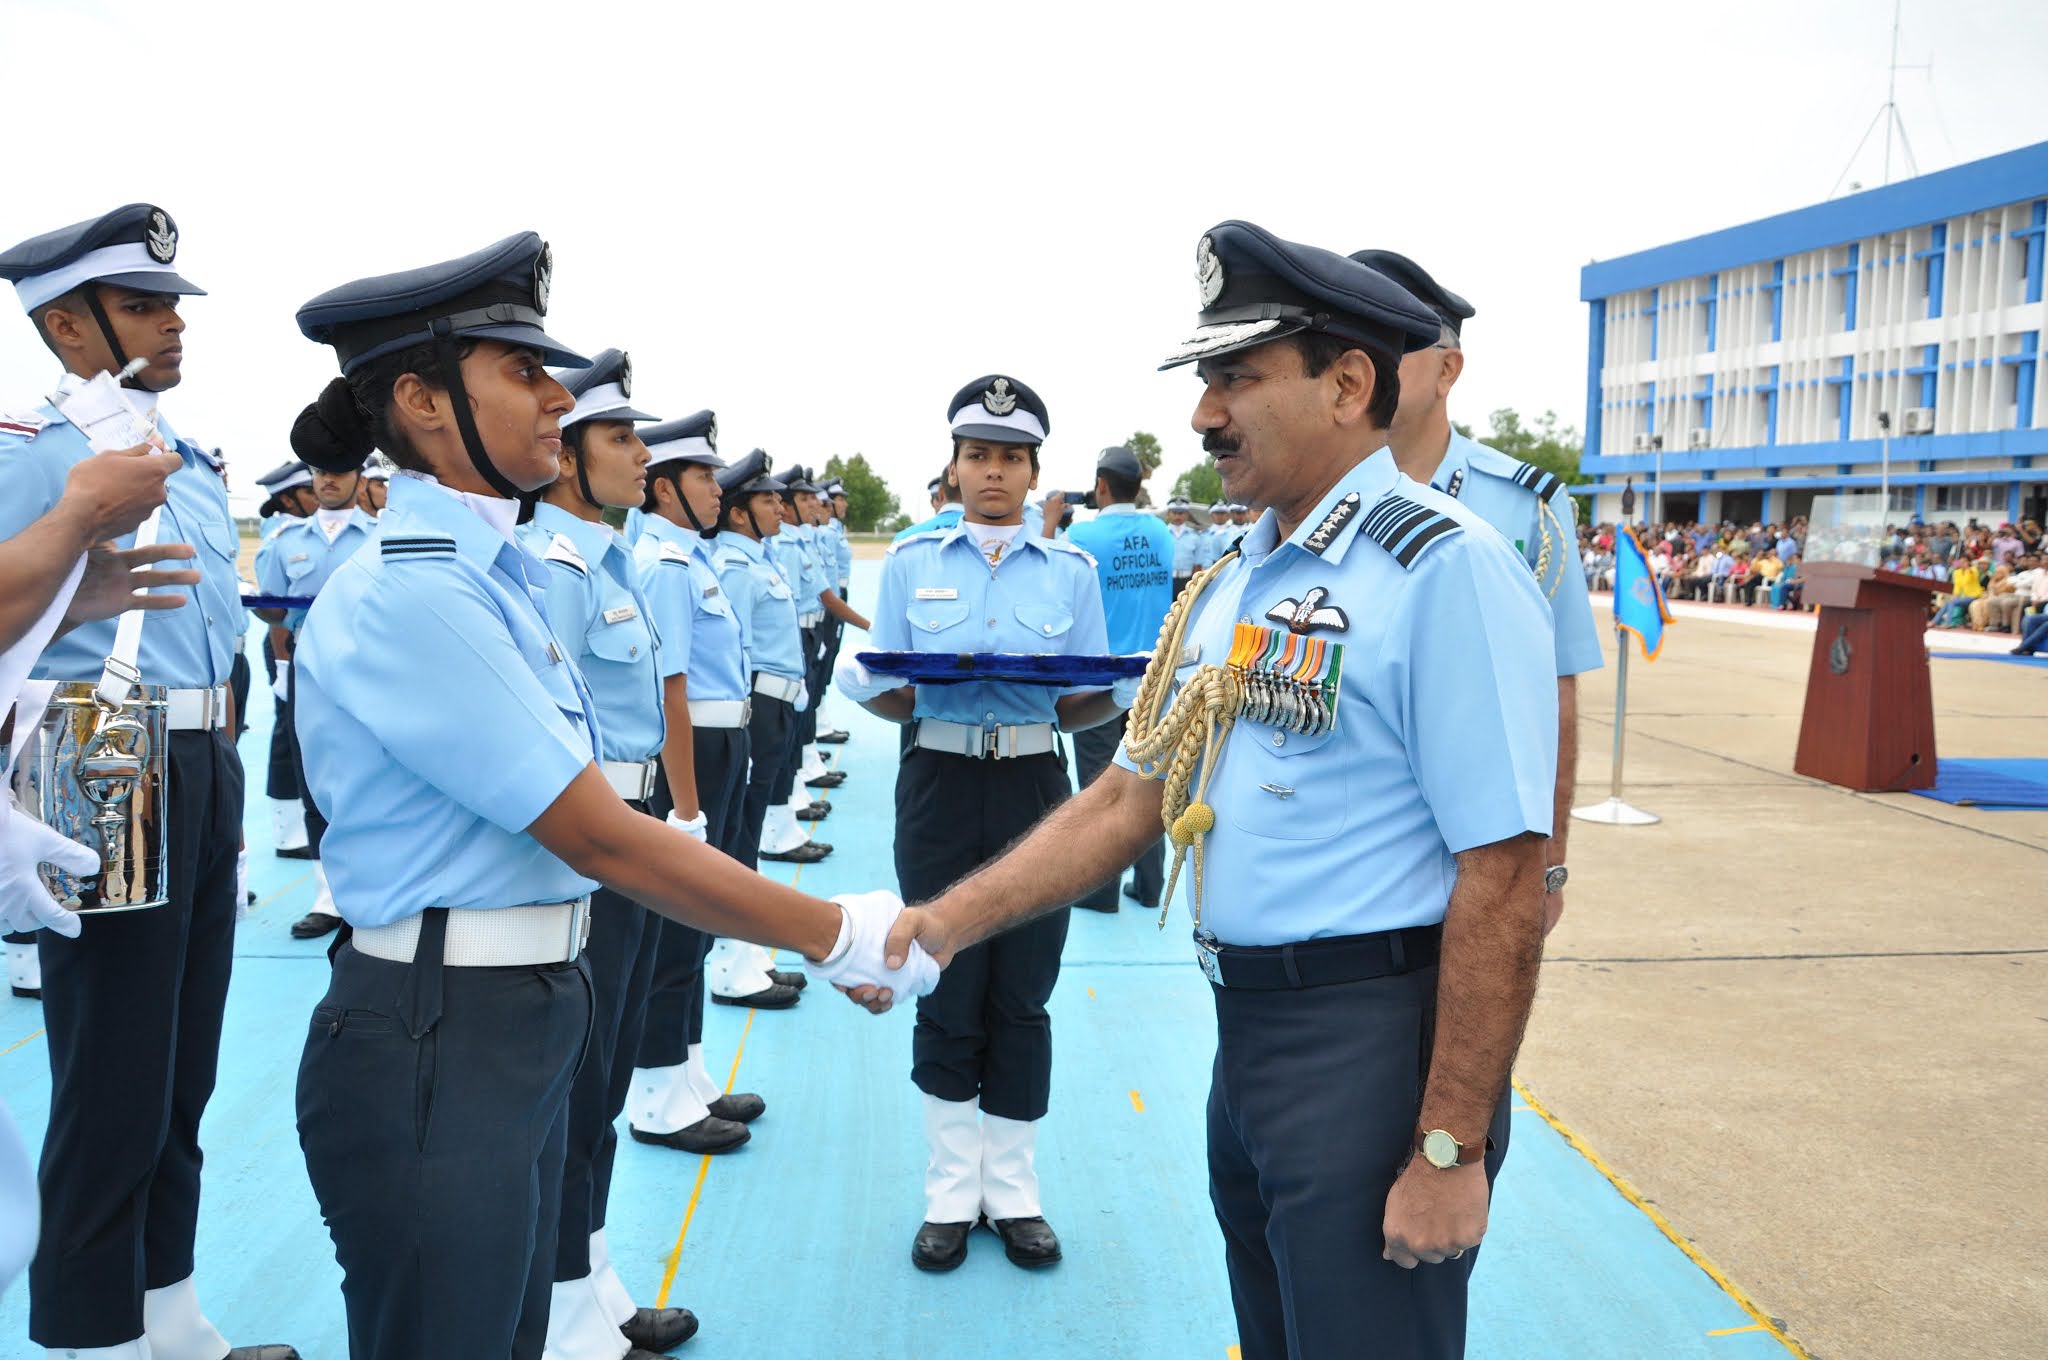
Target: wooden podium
<point>1869,720</point>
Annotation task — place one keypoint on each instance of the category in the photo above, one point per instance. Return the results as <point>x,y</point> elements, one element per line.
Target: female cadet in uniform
<point>596,611</point>
<point>450,740</point>
<point>984,763</point>
<point>705,681</point>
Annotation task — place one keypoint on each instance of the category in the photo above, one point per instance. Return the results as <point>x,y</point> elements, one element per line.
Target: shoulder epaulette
<point>672,552</point>
<point>22,425</point>
<point>417,545</point>
<point>563,549</point>
<point>1406,528</point>
<point>1070,546</point>
<point>927,535</point>
<point>1526,475</point>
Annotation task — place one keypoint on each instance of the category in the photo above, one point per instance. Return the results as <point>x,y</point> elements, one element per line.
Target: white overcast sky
<point>821,220</point>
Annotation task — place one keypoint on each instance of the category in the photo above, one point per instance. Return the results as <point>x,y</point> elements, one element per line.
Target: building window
<point>1976,496</point>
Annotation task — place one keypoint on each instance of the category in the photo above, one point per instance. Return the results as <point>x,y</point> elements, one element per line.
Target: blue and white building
<point>1895,335</point>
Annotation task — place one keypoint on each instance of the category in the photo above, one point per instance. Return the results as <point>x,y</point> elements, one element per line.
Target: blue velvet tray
<point>1022,668</point>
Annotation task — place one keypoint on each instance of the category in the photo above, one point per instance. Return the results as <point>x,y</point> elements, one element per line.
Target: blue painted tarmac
<point>798,1245</point>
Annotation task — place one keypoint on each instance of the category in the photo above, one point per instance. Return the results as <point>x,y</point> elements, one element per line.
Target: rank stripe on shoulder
<point>1544,484</point>
<point>417,547</point>
<point>1405,527</point>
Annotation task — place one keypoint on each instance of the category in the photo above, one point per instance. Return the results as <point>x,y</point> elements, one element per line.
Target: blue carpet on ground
<point>2007,657</point>
<point>798,1245</point>
<point>1994,785</point>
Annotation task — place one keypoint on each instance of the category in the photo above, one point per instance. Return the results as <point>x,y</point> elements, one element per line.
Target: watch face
<point>1554,878</point>
<point>1440,1149</point>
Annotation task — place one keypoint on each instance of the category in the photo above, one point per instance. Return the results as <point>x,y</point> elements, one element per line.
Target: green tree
<point>1202,483</point>
<point>869,501</point>
<point>1553,447</point>
<point>1149,453</point>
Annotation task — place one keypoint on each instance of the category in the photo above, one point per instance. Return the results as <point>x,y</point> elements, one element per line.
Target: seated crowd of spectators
<point>1997,578</point>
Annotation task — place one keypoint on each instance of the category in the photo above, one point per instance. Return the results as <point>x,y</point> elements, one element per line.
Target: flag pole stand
<point>1614,812</point>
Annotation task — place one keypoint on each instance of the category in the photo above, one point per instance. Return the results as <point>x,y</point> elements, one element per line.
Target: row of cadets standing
<point>297,560</point>
<point>1531,508</point>
<point>133,1005</point>
<point>796,554</point>
<point>290,500</point>
<point>467,826</point>
<point>598,614</point>
<point>983,762</point>
<point>1134,557</point>
<point>706,694</point>
<point>832,494</point>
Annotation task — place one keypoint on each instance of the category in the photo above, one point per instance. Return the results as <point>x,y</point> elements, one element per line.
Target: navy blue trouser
<point>675,1000</point>
<point>434,1134</point>
<point>282,777</point>
<point>620,956</point>
<point>316,821</point>
<point>1094,749</point>
<point>133,1011</point>
<point>1312,1111</point>
<point>985,1031</point>
<point>769,737</point>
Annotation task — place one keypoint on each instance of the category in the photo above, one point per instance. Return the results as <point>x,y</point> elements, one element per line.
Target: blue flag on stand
<point>1638,598</point>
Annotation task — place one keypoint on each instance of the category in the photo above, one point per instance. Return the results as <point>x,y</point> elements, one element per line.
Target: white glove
<point>803,696</point>
<point>856,961</point>
<point>1124,690</point>
<point>697,828</point>
<point>243,906</point>
<point>281,679</point>
<point>860,684</point>
<point>25,904</point>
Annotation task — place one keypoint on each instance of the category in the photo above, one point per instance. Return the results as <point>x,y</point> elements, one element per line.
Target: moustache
<point>1214,442</point>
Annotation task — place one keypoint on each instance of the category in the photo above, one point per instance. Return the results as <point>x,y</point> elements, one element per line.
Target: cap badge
<point>625,375</point>
<point>161,237</point>
<point>543,277</point>
<point>999,399</point>
<point>1310,612</point>
<point>1208,271</point>
<point>711,434</point>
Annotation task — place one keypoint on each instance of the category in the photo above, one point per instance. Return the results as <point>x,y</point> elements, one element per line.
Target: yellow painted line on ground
<point>1091,990</point>
<point>265,901</point>
<point>1736,1331</point>
<point>1232,1352</point>
<point>675,1255</point>
<point>24,1040</point>
<point>1628,1192</point>
<point>1137,1102</point>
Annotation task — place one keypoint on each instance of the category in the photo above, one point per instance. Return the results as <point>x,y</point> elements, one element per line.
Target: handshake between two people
<point>882,953</point>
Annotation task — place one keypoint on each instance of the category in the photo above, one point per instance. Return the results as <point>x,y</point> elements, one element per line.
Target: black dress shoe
<point>314,924</point>
<point>1028,1242</point>
<point>1108,908</point>
<point>29,993</point>
<point>773,997</point>
<point>741,1107</point>
<point>708,1135</point>
<point>788,979</point>
<point>831,779</point>
<point>834,738</point>
<point>940,1246</point>
<point>817,810</point>
<point>263,1353</point>
<point>810,852</point>
<point>654,1330</point>
<point>637,1353</point>
<point>297,852</point>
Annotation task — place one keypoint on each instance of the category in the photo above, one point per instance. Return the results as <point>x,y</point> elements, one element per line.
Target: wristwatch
<point>1554,877</point>
<point>1443,1152</point>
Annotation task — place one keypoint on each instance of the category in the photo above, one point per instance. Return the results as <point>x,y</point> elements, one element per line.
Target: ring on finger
<point>1456,1254</point>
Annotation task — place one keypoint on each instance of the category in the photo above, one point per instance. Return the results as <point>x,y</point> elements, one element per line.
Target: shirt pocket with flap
<point>933,618</point>
<point>1283,786</point>
<point>626,642</point>
<point>1045,620</point>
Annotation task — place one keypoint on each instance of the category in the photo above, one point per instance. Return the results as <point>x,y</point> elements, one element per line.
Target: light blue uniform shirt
<point>939,595</point>
<point>188,648</point>
<point>1134,566</point>
<point>1487,480</point>
<point>842,553</point>
<point>1446,726</point>
<point>948,516</point>
<point>1187,546</point>
<point>438,717</point>
<point>684,593</point>
<point>766,605</point>
<point>298,559</point>
<point>593,604</point>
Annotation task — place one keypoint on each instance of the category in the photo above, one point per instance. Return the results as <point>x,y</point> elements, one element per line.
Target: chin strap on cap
<point>465,420</point>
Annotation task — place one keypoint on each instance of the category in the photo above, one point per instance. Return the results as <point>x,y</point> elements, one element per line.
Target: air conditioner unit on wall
<point>1699,439</point>
<point>1642,442</point>
<point>1919,420</point>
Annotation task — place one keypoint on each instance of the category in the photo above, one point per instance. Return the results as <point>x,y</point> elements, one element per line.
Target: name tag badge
<point>711,592</point>
<point>300,557</point>
<point>937,593</point>
<point>622,614</point>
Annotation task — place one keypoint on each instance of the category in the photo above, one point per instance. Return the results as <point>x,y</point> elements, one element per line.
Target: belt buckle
<point>991,738</point>
<point>746,710</point>
<point>1207,955</point>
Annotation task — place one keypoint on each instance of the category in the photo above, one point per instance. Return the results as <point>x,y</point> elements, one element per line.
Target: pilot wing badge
<point>1310,612</point>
